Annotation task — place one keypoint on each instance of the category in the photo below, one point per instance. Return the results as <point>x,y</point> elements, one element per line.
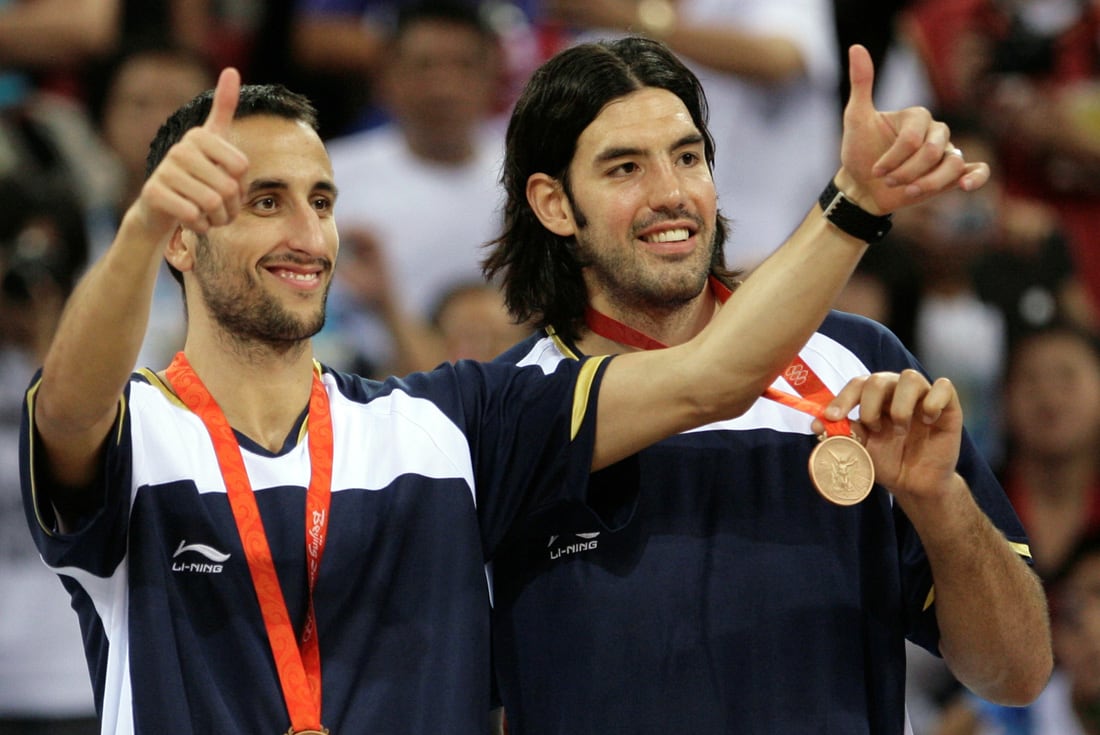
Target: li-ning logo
<point>584,542</point>
<point>214,566</point>
<point>796,374</point>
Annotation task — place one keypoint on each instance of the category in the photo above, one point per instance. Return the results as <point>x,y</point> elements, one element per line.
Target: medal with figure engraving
<point>840,467</point>
<point>841,470</point>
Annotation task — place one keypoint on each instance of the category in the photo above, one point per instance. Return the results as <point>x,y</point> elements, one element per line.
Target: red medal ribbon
<point>815,394</point>
<point>297,662</point>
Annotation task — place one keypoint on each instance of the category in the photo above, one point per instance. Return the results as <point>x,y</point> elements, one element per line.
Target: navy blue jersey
<point>429,474</point>
<point>706,587</point>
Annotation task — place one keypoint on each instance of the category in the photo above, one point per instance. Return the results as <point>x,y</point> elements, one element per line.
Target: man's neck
<point>669,327</point>
<point>261,392</point>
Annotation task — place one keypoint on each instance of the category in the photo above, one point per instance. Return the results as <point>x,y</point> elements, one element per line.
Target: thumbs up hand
<point>890,160</point>
<point>198,183</point>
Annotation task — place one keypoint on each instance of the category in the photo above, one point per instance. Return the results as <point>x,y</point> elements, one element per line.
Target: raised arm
<point>990,607</point>
<point>97,341</point>
<point>732,48</point>
<point>888,161</point>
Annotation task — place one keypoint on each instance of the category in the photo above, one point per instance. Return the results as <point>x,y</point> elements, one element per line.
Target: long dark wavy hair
<point>540,273</point>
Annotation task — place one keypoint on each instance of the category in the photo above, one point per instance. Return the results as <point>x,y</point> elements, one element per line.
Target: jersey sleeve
<point>531,437</point>
<point>96,541</point>
<point>884,351</point>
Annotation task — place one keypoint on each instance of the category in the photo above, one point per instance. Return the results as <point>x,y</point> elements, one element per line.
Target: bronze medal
<point>841,470</point>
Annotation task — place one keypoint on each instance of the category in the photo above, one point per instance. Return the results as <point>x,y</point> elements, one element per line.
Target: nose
<point>308,231</point>
<point>665,188</point>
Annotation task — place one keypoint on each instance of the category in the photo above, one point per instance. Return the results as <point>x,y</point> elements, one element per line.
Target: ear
<point>549,203</point>
<point>180,250</point>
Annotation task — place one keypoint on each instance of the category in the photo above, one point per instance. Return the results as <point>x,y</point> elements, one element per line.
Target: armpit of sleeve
<point>582,392</point>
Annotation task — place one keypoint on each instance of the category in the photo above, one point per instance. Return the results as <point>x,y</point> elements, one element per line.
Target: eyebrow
<point>622,151</point>
<point>279,184</point>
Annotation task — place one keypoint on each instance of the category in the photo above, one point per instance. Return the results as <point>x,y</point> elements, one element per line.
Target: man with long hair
<point>702,585</point>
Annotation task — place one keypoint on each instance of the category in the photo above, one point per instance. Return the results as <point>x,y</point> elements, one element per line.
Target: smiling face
<point>264,277</point>
<point>641,203</point>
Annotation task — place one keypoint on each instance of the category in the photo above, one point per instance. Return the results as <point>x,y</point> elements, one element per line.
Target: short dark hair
<point>255,99</point>
<point>540,272</point>
<point>273,100</point>
<point>455,12</point>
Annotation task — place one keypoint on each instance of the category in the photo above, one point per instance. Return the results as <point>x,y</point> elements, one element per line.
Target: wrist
<point>843,210</point>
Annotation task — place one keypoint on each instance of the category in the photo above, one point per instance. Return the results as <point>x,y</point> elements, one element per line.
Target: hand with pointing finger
<point>198,184</point>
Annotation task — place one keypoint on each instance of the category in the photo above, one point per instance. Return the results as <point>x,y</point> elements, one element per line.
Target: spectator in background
<point>130,95</point>
<point>341,47</point>
<point>1052,467</point>
<point>44,686</point>
<point>424,187</point>
<point>1029,71</point>
<point>770,71</point>
<point>44,129</point>
<point>474,322</point>
<point>369,301</point>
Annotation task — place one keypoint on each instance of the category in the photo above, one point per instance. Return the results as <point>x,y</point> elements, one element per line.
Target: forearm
<point>49,32</point>
<point>728,366</point>
<point>991,608</point>
<point>95,347</point>
<point>756,58</point>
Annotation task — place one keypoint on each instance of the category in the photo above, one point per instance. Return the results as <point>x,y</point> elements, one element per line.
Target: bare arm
<point>101,330</point>
<point>990,607</point>
<point>728,48</point>
<point>52,32</point>
<point>889,160</point>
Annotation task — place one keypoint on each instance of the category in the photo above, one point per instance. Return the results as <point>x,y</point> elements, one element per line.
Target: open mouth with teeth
<point>677,235</point>
<point>295,277</point>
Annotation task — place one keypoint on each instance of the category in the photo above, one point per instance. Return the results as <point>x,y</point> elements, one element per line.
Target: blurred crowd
<point>998,290</point>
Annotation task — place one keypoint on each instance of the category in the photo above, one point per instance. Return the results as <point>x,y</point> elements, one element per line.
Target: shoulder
<point>865,337</point>
<point>539,349</point>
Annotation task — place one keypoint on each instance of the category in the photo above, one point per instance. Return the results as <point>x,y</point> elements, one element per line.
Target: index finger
<point>226,94</point>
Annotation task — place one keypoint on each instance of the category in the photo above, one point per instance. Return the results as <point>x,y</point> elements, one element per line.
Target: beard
<point>245,310</point>
<point>639,280</point>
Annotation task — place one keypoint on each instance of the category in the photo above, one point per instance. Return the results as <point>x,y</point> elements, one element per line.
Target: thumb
<point>224,106</point>
<point>861,75</point>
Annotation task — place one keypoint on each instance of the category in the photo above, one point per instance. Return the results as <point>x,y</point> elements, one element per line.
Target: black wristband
<point>849,217</point>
